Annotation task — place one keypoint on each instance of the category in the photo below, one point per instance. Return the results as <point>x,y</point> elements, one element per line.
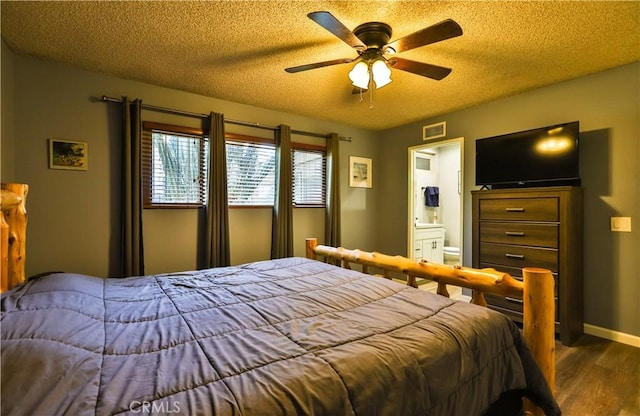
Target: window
<point>174,166</point>
<point>251,172</point>
<point>309,167</point>
<point>251,165</point>
<point>175,169</point>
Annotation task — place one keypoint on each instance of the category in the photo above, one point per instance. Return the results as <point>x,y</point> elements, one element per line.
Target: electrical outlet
<point>621,224</point>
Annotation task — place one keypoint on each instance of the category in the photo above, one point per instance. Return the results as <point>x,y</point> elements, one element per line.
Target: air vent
<point>434,131</point>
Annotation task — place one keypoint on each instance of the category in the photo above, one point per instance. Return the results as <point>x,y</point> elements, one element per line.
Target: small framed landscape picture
<point>360,174</point>
<point>68,154</point>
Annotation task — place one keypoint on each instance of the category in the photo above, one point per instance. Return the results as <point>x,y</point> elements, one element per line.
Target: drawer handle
<point>510,299</point>
<point>514,233</point>
<point>514,209</point>
<point>515,256</point>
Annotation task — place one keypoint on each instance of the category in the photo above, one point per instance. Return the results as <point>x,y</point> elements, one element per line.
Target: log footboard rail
<point>536,291</point>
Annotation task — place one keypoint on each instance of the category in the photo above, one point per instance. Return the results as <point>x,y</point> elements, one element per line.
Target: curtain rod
<point>198,115</point>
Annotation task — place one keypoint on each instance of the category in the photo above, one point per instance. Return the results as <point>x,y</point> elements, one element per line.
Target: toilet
<point>451,255</point>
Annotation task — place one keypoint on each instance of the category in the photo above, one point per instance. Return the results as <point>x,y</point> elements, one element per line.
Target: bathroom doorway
<point>435,202</point>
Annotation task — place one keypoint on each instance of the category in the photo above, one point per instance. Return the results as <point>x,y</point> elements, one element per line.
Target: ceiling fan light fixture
<point>359,75</point>
<point>371,41</point>
<point>381,73</point>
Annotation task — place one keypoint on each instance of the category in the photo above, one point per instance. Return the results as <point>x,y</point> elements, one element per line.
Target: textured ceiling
<point>237,50</point>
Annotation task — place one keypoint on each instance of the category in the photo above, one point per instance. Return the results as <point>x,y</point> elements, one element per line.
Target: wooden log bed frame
<point>536,289</point>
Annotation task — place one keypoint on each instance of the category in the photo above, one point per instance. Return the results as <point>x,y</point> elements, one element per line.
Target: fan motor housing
<point>373,34</point>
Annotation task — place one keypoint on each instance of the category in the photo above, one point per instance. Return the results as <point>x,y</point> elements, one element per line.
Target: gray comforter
<point>290,336</point>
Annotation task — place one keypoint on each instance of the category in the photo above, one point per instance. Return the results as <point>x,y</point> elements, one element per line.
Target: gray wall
<point>607,104</point>
<point>74,215</point>
<point>7,95</point>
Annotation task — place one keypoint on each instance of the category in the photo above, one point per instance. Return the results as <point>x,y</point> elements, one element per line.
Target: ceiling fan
<point>371,41</point>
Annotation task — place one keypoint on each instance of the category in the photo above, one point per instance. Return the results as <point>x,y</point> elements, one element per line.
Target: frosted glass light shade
<point>381,73</point>
<point>359,75</point>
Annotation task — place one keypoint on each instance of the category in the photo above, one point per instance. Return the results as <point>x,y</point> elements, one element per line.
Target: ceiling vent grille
<point>434,131</point>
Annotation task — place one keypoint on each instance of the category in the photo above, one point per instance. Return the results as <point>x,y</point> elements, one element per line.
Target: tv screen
<point>540,157</point>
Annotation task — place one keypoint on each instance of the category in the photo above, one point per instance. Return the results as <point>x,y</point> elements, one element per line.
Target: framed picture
<point>360,174</point>
<point>68,154</point>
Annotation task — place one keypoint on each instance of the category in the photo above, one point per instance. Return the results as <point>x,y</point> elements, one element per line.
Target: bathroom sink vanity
<point>429,242</point>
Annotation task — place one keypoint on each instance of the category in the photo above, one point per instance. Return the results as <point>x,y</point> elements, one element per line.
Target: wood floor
<point>598,377</point>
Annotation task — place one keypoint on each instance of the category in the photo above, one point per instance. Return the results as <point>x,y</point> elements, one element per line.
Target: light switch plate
<point>621,224</point>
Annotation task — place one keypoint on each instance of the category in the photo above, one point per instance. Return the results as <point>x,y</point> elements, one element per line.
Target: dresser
<point>533,227</point>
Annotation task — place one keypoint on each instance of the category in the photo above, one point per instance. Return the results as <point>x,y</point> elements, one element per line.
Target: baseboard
<point>612,335</point>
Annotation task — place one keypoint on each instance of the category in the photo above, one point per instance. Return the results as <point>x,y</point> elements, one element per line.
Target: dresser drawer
<point>516,273</point>
<point>519,209</point>
<point>519,256</point>
<point>524,234</point>
<point>512,304</point>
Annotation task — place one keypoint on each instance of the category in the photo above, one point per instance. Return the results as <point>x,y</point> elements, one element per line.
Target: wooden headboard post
<point>13,234</point>
<point>536,292</point>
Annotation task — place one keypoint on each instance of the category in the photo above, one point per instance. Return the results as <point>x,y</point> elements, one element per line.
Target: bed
<point>293,336</point>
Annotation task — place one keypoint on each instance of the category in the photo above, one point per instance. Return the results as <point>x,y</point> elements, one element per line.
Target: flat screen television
<point>545,156</point>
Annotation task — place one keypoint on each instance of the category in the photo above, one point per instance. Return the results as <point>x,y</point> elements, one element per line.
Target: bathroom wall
<point>449,215</point>
<point>445,165</point>
<point>422,179</point>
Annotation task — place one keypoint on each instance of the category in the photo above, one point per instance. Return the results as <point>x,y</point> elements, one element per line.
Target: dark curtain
<point>332,215</point>
<point>217,252</point>
<point>132,246</point>
<point>282,224</point>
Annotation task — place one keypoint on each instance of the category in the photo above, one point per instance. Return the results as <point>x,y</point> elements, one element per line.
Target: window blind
<point>309,183</point>
<point>250,173</point>
<point>174,169</point>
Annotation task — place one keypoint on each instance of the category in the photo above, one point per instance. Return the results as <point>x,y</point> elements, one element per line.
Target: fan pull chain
<point>371,93</point>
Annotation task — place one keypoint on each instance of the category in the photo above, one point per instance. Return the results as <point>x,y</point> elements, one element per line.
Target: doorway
<point>435,205</point>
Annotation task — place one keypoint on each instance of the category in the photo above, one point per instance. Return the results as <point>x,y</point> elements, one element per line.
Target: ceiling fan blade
<point>426,70</point>
<point>440,31</point>
<point>333,25</point>
<point>307,67</point>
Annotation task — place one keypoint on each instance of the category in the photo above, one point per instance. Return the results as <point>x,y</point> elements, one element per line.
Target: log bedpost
<point>311,244</point>
<point>4,252</point>
<point>14,234</point>
<point>539,323</point>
